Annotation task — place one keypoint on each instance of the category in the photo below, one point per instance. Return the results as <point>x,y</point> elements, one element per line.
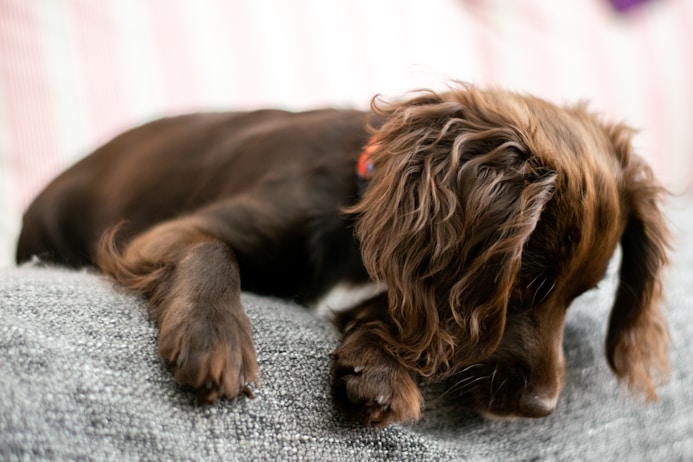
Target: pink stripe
<point>180,83</point>
<point>594,31</point>
<point>100,65</point>
<point>363,56</point>
<point>33,143</point>
<point>652,82</point>
<point>239,39</point>
<point>683,10</point>
<point>543,63</point>
<point>484,32</point>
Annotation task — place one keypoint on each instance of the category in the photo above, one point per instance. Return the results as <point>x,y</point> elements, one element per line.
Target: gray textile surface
<point>80,378</point>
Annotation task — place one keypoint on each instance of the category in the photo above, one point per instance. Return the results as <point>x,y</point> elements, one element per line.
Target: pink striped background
<point>73,73</point>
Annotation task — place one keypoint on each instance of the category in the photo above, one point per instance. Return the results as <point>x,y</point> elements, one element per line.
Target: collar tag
<point>364,167</point>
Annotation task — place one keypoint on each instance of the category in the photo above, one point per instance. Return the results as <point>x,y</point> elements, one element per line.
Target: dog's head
<point>489,212</point>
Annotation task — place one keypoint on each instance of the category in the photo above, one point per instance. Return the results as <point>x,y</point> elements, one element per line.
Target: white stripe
<point>273,42</point>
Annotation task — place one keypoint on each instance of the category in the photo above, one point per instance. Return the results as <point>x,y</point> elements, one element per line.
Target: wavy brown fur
<point>433,180</point>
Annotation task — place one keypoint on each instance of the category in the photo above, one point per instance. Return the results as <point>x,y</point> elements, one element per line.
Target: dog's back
<point>173,166</point>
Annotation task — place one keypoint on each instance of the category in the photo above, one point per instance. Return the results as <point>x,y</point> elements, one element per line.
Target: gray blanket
<point>80,378</point>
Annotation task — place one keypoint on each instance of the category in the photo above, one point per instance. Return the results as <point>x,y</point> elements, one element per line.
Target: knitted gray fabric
<point>80,378</point>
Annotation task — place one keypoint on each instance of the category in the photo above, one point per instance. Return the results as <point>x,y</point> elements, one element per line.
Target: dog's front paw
<point>216,358</point>
<point>374,389</point>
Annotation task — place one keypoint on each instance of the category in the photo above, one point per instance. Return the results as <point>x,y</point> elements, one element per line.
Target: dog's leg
<point>192,282</point>
<point>368,383</point>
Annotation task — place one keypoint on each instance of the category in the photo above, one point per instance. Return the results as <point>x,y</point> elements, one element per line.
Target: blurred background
<point>74,73</point>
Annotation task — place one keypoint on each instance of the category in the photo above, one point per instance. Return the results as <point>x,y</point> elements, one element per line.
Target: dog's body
<point>487,213</point>
<point>296,168</point>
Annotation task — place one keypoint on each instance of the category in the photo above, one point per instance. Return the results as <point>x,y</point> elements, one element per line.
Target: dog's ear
<point>502,196</point>
<point>637,340</point>
<point>454,198</point>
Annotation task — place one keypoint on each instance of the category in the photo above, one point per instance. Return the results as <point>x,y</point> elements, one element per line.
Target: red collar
<point>364,166</point>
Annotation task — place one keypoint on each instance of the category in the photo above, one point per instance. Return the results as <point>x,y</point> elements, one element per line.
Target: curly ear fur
<point>444,222</point>
<point>637,340</point>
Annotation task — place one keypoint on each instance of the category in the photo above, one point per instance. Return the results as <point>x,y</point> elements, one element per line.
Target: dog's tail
<point>130,270</point>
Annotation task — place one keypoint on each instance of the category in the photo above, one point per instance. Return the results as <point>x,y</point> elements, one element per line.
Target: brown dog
<point>483,214</point>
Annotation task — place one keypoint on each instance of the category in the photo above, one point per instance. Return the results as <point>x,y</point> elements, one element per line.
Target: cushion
<point>80,377</point>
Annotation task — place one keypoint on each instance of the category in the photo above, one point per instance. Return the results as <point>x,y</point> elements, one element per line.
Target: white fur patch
<point>343,296</point>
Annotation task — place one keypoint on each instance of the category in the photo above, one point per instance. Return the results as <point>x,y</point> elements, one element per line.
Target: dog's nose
<point>535,403</point>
